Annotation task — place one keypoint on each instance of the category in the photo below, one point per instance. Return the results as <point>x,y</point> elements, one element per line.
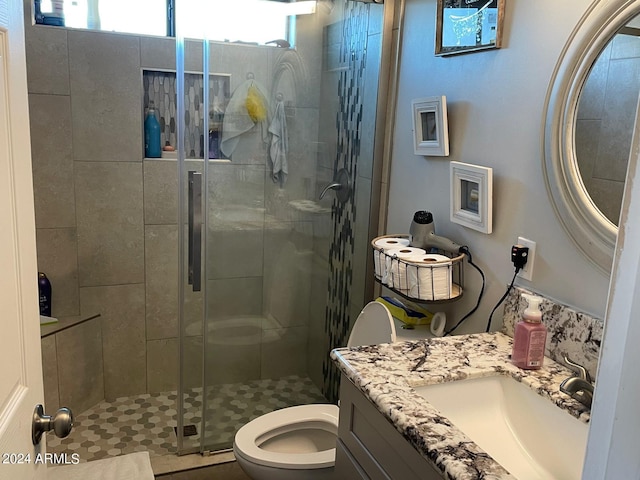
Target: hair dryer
<point>423,234</point>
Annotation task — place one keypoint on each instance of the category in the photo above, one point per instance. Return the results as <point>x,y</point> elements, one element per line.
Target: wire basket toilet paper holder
<point>438,278</point>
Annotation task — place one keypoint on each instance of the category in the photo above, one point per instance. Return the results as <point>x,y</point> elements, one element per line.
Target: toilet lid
<point>288,419</point>
<point>374,325</point>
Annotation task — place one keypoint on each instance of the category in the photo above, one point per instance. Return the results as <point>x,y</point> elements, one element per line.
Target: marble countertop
<point>387,373</point>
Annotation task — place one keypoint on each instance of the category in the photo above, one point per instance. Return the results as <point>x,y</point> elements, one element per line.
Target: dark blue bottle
<point>44,291</point>
<point>152,147</point>
<point>37,11</point>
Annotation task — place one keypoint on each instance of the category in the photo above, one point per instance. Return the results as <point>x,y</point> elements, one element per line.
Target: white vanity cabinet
<point>369,446</point>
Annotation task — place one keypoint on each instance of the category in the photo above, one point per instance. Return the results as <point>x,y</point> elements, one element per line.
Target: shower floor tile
<point>147,422</point>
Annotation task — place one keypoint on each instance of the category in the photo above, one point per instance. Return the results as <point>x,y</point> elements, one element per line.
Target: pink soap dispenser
<point>530,336</point>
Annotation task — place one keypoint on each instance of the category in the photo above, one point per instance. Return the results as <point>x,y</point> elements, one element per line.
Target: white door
<point>20,358</point>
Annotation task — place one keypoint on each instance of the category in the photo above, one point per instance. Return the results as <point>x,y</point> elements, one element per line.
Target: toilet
<point>299,443</point>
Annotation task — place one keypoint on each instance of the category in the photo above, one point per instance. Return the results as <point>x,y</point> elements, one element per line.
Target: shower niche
<point>159,87</point>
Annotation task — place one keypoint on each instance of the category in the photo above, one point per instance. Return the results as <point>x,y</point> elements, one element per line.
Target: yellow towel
<point>255,104</point>
<point>247,108</point>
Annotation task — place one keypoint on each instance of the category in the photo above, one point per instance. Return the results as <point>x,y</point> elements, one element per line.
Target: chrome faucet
<point>578,389</point>
<point>578,386</point>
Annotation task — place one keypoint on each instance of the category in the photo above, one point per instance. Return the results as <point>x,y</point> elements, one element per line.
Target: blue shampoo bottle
<point>152,147</point>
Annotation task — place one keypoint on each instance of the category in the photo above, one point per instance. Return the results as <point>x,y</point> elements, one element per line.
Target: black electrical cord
<point>466,251</point>
<point>502,299</point>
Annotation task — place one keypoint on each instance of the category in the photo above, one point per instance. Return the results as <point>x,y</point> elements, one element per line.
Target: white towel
<point>133,466</point>
<point>279,144</point>
<point>237,119</point>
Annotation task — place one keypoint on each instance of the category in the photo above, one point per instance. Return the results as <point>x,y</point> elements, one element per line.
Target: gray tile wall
<point>121,309</point>
<point>73,367</point>
<point>327,70</point>
<point>50,374</point>
<point>86,128</point>
<point>57,255</point>
<point>109,223</point>
<point>80,365</point>
<point>104,77</point>
<point>52,154</point>
<point>107,219</point>
<point>352,63</point>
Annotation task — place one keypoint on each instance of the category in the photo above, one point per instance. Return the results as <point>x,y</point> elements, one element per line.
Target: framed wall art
<point>430,129</point>
<point>472,196</point>
<point>464,26</point>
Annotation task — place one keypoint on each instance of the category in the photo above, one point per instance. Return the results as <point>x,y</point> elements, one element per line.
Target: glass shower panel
<point>190,97</point>
<point>283,272</point>
<point>237,239</point>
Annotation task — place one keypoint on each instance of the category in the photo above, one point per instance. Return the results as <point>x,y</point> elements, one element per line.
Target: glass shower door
<point>190,88</point>
<point>283,273</point>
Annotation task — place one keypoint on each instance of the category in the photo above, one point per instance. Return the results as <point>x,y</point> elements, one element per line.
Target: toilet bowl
<point>295,442</point>
<point>298,443</point>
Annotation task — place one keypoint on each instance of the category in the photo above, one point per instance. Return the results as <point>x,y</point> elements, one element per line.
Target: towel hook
<point>250,76</point>
<point>279,97</point>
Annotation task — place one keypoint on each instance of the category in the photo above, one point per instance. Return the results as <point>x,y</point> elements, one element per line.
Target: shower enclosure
<point>275,274</point>
<point>221,278</point>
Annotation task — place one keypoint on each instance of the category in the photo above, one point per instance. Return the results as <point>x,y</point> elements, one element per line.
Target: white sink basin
<point>527,434</point>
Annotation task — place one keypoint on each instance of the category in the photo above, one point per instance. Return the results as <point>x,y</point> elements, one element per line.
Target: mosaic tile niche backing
<point>160,88</point>
<point>348,124</point>
<point>571,333</point>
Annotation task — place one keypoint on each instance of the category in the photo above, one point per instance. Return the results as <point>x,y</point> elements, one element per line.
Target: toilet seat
<point>289,419</point>
<point>374,325</point>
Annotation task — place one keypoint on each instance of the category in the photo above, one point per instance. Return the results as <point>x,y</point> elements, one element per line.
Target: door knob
<point>61,423</point>
<point>341,184</point>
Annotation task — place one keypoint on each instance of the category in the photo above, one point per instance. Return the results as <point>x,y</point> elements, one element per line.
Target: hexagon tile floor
<point>148,421</point>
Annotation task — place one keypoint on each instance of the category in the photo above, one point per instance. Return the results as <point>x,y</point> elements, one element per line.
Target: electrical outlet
<point>527,270</point>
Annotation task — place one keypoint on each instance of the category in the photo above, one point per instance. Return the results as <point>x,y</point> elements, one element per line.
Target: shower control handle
<point>61,423</point>
<point>341,184</point>
<point>331,186</point>
<point>195,230</point>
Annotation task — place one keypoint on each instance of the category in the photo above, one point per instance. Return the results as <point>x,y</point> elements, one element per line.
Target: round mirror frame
<point>591,231</point>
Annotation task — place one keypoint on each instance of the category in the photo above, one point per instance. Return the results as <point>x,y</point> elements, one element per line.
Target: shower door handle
<point>195,230</point>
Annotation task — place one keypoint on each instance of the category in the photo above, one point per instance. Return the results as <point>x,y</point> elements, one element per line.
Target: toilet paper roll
<point>398,277</point>
<point>391,242</point>
<point>379,257</point>
<point>438,323</point>
<point>429,277</point>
